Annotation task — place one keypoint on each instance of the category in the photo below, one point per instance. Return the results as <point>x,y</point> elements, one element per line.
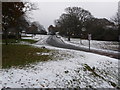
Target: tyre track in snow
<point>53,40</point>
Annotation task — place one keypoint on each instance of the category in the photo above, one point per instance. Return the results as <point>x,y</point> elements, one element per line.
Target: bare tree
<point>82,14</point>
<point>116,19</point>
<point>72,21</point>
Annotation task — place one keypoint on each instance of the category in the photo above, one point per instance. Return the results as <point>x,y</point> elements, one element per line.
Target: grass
<point>21,55</point>
<point>9,41</point>
<point>29,40</point>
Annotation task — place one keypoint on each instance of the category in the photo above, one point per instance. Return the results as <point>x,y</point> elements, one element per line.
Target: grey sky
<point>49,11</point>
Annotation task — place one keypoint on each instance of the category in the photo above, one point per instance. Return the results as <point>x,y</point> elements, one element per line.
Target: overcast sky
<point>50,11</point>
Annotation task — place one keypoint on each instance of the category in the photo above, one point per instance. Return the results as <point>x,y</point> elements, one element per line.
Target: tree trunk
<point>6,37</point>
<point>69,38</point>
<point>17,35</point>
<point>68,35</point>
<point>119,37</point>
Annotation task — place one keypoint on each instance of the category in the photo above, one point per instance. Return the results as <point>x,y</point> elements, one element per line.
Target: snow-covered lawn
<point>105,45</point>
<point>70,68</point>
<point>36,37</point>
<point>40,38</point>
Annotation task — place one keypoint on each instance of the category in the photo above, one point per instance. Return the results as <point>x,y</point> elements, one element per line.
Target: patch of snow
<point>45,54</point>
<point>25,43</point>
<point>38,53</point>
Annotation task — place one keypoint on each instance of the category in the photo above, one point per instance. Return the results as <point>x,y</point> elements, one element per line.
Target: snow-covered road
<point>59,42</point>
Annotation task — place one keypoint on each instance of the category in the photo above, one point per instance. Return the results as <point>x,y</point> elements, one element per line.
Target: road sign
<point>89,37</point>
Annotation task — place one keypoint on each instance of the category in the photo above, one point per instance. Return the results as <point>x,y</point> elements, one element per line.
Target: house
<point>51,30</point>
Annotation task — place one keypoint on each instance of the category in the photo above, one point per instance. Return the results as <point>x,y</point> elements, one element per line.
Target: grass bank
<point>20,55</point>
<point>31,41</point>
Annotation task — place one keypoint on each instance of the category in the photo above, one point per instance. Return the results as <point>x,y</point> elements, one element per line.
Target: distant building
<point>51,30</point>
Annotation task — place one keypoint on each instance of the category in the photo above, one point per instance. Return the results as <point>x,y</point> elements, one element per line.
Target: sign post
<point>89,38</point>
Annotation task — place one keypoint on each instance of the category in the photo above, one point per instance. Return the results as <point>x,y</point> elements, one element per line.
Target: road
<point>53,40</point>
